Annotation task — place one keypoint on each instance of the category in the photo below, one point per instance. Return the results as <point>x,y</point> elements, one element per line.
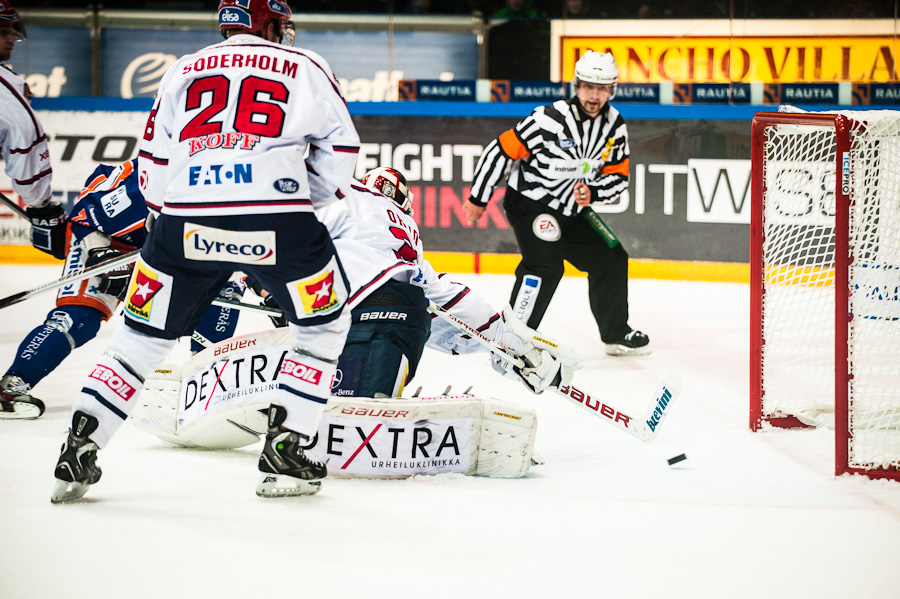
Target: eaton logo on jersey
<point>217,174</point>
<point>245,247</point>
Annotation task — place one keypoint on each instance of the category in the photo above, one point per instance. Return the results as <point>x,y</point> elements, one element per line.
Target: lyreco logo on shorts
<point>245,247</point>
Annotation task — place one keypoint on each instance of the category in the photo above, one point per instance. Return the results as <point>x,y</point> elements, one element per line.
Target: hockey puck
<point>676,459</point>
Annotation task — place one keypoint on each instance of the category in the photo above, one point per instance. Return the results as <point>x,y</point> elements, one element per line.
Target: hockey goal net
<point>825,281</point>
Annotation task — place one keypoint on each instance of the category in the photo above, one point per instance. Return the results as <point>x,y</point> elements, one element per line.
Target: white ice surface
<point>747,515</point>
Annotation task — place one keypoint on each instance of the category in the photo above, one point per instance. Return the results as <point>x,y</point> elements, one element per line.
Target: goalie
<point>391,284</point>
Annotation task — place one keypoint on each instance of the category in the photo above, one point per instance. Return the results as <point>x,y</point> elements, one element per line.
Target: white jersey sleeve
<point>23,143</point>
<point>375,240</point>
<point>462,302</point>
<point>231,127</point>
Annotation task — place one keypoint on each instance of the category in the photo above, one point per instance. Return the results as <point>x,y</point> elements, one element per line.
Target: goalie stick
<point>72,278</point>
<point>645,430</point>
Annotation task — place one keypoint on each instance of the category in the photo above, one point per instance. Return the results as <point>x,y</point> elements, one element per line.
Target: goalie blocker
<point>219,397</point>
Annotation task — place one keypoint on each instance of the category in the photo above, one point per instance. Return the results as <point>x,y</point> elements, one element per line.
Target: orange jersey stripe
<point>616,169</point>
<point>512,147</point>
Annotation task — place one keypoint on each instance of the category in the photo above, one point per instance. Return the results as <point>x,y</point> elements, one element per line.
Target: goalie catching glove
<point>547,364</point>
<point>115,281</point>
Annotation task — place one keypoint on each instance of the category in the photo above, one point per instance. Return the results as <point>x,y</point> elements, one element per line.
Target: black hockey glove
<point>115,281</point>
<point>48,229</point>
<point>278,321</point>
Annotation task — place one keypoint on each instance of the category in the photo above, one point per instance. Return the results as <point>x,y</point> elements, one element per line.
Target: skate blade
<point>22,410</point>
<point>279,485</point>
<point>66,491</point>
<point>612,349</point>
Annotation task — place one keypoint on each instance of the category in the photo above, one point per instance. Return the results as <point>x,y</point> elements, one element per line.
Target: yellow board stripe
<point>465,262</point>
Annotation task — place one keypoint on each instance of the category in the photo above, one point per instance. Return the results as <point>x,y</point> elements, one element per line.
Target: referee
<point>561,159</point>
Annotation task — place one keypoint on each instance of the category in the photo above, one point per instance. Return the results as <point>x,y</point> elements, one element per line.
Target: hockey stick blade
<point>645,430</point>
<point>75,277</point>
<point>14,207</point>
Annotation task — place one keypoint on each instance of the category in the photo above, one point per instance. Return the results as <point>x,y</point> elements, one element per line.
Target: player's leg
<point>607,270</point>
<point>218,322</point>
<point>309,284</point>
<point>166,298</point>
<point>41,351</point>
<point>541,268</point>
<point>385,343</point>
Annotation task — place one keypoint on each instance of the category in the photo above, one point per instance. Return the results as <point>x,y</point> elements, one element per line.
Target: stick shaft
<point>639,429</point>
<point>14,207</point>
<point>68,279</point>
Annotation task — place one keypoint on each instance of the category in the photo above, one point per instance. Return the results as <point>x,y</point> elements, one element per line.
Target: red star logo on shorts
<point>322,291</point>
<point>146,289</point>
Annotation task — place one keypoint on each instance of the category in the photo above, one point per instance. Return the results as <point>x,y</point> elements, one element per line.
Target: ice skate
<point>286,471</point>
<point>634,343</point>
<point>15,400</point>
<point>77,468</point>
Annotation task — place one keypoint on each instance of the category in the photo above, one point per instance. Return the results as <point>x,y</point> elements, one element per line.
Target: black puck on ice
<point>676,459</point>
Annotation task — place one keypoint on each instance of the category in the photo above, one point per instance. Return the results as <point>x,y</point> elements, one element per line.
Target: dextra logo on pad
<point>301,371</point>
<point>246,247</point>
<point>112,380</point>
<point>219,174</point>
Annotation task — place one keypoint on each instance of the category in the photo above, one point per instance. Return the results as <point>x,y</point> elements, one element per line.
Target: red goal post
<point>825,281</point>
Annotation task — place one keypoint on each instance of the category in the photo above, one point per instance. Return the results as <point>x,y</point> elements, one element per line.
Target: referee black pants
<point>581,246</point>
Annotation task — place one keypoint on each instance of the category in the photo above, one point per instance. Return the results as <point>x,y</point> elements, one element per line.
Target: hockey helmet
<point>251,16</point>
<point>391,184</point>
<point>9,16</point>
<point>599,68</point>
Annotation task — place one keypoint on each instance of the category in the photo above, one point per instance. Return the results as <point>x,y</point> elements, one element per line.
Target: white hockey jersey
<point>377,242</point>
<point>230,128</point>
<point>23,142</point>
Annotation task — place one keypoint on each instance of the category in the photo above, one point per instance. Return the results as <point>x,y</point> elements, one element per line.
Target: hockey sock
<point>47,345</point>
<point>218,323</point>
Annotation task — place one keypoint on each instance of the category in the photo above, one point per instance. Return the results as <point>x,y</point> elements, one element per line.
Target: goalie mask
<point>251,16</point>
<point>9,16</point>
<point>391,184</point>
<point>599,68</point>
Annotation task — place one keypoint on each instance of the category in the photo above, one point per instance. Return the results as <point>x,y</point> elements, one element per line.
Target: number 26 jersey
<point>247,126</point>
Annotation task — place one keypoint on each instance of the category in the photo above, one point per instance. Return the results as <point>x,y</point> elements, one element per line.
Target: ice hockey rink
<point>746,515</point>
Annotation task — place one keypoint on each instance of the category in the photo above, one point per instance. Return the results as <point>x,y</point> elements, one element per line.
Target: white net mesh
<point>799,267</point>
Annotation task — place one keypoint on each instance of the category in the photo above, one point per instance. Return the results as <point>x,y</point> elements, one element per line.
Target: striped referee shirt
<point>550,151</point>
